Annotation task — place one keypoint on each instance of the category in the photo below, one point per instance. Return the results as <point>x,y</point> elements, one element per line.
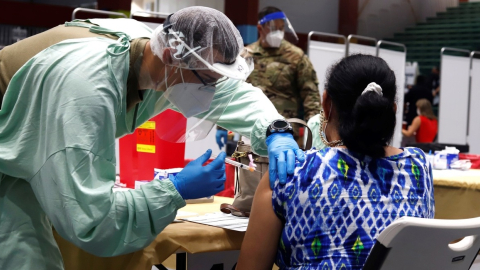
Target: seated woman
<point>425,125</point>
<point>329,213</point>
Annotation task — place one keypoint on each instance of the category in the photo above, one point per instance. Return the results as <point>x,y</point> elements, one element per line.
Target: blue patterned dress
<point>337,203</point>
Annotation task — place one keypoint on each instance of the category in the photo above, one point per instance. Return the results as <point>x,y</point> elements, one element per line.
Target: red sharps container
<point>143,151</point>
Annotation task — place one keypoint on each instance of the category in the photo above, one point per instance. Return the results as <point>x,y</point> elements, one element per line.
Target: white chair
<point>417,243</point>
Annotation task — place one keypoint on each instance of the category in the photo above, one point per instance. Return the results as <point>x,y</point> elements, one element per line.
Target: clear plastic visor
<point>278,21</point>
<point>200,97</point>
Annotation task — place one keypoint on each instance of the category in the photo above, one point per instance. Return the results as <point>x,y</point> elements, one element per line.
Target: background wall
<point>170,6</point>
<point>383,18</point>
<point>308,15</point>
<point>69,3</point>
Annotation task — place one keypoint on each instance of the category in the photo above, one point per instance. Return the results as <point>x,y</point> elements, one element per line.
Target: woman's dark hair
<point>365,122</point>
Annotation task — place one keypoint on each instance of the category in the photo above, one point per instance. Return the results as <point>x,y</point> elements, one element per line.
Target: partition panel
<point>474,114</point>
<point>353,48</point>
<point>363,49</point>
<point>323,55</point>
<point>96,11</point>
<point>453,107</point>
<point>396,61</point>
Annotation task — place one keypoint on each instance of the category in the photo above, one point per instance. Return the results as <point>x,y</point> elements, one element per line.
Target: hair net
<point>198,38</point>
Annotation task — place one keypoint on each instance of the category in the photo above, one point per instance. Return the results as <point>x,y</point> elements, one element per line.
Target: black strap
<point>167,24</point>
<point>308,145</point>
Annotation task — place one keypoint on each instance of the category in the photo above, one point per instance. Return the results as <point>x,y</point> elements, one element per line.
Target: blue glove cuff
<point>277,135</point>
<point>174,181</point>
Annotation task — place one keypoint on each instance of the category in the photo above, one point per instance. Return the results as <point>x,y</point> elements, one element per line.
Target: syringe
<point>240,165</point>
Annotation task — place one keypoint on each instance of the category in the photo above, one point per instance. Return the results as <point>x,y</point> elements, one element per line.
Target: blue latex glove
<point>198,181</point>
<point>221,134</point>
<point>282,152</point>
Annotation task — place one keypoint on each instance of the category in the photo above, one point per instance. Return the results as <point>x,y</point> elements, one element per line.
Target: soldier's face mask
<point>274,38</point>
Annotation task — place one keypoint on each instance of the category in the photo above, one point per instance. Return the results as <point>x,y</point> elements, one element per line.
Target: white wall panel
<point>474,118</point>
<point>354,48</point>
<point>396,61</point>
<point>453,107</point>
<point>323,55</point>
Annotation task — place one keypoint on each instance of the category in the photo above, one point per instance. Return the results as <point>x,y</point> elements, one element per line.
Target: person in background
<point>425,125</point>
<point>418,91</point>
<point>328,215</point>
<point>433,82</point>
<point>221,137</point>
<point>282,70</point>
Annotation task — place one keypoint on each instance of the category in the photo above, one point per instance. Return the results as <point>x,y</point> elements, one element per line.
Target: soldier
<point>282,70</point>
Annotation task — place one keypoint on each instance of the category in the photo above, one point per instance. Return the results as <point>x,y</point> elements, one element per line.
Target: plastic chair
<point>417,243</point>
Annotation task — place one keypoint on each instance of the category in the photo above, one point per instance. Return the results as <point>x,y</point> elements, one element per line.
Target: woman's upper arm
<point>413,127</point>
<point>415,124</point>
<point>263,234</point>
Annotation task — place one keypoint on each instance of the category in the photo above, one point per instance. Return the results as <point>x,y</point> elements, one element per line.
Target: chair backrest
<point>417,243</point>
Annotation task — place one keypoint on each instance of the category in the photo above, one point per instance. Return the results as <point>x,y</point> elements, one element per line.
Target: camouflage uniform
<point>287,77</point>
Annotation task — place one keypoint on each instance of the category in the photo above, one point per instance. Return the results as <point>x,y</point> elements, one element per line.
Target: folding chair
<point>417,243</point>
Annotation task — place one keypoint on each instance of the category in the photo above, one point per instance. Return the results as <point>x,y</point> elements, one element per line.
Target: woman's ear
<point>395,107</point>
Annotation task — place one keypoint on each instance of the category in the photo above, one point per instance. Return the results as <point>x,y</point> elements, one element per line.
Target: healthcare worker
<point>70,91</point>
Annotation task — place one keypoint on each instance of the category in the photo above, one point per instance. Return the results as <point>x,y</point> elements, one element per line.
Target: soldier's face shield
<point>277,24</point>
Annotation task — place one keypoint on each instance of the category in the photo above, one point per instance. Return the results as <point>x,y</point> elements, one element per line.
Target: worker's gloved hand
<point>283,150</point>
<point>221,134</point>
<point>198,181</point>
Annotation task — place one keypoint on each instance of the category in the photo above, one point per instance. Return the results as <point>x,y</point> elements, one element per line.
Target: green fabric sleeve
<point>249,113</point>
<point>74,188</point>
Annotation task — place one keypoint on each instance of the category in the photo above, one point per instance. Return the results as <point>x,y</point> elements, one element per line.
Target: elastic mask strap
<point>198,76</point>
<point>181,75</point>
<point>167,24</point>
<point>166,85</point>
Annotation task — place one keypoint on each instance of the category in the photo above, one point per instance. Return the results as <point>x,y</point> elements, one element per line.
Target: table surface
<point>217,238</point>
<point>455,178</point>
<point>176,237</point>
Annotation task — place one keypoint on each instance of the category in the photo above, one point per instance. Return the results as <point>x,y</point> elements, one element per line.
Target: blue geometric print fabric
<point>337,203</point>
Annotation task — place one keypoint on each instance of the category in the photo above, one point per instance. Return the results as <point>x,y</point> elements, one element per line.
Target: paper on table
<point>222,220</point>
<point>182,214</point>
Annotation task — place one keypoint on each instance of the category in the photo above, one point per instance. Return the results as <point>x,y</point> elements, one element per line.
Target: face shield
<point>202,49</point>
<point>276,27</point>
